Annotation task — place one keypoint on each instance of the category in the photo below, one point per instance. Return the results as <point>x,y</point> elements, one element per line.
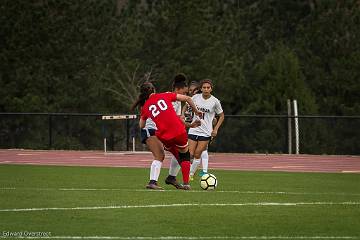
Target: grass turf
<point>24,187</point>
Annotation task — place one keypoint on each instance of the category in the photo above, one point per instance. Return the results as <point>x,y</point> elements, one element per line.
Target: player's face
<point>182,91</point>
<point>192,89</point>
<point>206,89</point>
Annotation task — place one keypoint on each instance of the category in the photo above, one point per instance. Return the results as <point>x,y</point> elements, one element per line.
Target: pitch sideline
<point>167,190</point>
<point>256,204</point>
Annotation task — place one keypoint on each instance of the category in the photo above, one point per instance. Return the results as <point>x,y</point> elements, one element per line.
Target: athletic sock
<point>194,166</point>
<point>185,169</point>
<point>155,170</point>
<point>174,167</point>
<point>205,160</point>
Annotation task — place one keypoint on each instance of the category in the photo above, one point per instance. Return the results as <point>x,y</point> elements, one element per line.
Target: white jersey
<point>209,107</point>
<point>177,107</point>
<point>150,124</point>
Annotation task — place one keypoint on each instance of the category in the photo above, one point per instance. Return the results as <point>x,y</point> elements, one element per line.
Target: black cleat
<point>154,186</point>
<point>170,180</point>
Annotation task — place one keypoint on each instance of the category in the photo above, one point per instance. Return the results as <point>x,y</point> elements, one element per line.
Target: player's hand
<point>214,133</point>
<point>195,124</point>
<point>199,114</point>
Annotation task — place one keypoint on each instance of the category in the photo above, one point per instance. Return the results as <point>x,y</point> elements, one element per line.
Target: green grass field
<point>246,205</point>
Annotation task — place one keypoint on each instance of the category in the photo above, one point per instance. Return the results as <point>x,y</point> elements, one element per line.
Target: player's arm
<point>188,99</point>
<point>183,110</point>
<point>215,120</point>
<point>142,123</point>
<point>194,124</point>
<point>218,124</point>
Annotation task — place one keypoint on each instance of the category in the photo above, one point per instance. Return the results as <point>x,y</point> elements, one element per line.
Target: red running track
<point>228,161</point>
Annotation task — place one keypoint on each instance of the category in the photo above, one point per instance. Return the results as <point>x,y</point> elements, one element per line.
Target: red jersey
<point>160,109</point>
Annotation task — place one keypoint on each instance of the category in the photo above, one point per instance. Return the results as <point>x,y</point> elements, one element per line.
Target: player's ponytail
<point>179,81</point>
<point>146,89</point>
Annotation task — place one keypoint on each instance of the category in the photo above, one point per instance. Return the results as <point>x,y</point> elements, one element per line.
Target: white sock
<point>194,166</point>
<point>155,170</point>
<point>174,167</point>
<point>205,160</point>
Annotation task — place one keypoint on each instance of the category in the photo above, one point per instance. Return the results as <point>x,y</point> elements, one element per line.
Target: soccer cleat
<point>154,186</point>
<point>172,181</point>
<point>186,187</point>
<point>202,173</point>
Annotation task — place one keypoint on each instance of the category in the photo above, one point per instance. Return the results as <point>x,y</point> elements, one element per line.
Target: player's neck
<point>206,96</point>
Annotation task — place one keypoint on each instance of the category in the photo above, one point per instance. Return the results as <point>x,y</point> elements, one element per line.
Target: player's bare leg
<point>194,162</point>
<point>204,162</point>
<point>156,148</point>
<point>200,147</point>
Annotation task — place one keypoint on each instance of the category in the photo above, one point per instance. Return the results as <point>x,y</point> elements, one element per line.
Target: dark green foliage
<point>89,56</point>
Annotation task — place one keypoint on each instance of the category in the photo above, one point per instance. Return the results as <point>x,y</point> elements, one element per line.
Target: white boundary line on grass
<point>184,205</point>
<point>191,237</point>
<point>192,191</point>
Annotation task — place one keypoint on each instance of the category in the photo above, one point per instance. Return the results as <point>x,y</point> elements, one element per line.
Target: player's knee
<point>159,156</point>
<point>197,154</point>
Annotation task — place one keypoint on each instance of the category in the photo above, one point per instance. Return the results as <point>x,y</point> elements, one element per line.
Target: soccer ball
<point>208,181</point>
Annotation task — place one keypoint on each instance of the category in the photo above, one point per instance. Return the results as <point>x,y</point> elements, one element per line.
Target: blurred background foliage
<point>90,56</point>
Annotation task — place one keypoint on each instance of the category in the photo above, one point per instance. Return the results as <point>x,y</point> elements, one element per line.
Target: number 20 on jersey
<point>160,106</point>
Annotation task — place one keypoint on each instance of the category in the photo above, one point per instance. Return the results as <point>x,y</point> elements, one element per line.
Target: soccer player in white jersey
<point>194,88</point>
<point>200,136</point>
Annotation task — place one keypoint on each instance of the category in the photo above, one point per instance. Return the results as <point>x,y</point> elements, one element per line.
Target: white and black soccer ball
<point>208,181</point>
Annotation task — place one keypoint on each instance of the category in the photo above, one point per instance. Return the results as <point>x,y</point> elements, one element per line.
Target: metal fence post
<point>127,134</point>
<point>296,119</point>
<point>50,132</point>
<point>289,127</point>
<point>104,135</point>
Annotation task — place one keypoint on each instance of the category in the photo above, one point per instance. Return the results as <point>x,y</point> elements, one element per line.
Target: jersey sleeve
<point>218,107</point>
<point>177,107</point>
<point>172,96</point>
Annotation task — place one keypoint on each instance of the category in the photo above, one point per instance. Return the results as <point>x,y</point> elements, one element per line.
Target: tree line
<point>90,56</point>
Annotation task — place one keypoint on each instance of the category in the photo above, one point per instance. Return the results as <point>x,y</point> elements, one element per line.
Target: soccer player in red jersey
<point>170,129</point>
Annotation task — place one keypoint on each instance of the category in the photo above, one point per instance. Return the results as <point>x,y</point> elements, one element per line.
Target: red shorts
<point>180,141</point>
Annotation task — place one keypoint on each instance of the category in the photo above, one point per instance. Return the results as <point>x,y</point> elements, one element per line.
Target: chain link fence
<point>239,133</point>
<point>270,134</point>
